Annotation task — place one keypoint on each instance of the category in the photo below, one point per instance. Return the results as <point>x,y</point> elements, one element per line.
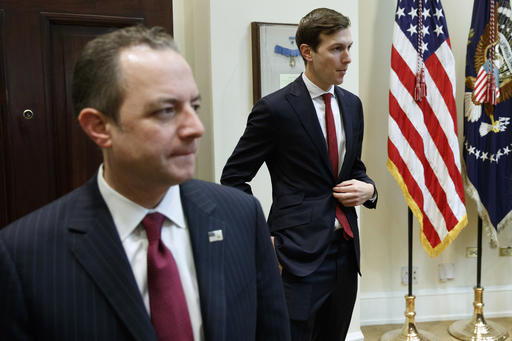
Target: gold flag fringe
<point>432,251</point>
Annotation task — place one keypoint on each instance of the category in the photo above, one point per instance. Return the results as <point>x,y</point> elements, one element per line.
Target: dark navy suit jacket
<point>64,274</point>
<point>283,131</point>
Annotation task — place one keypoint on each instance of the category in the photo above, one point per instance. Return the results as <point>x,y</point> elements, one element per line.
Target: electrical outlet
<point>505,251</point>
<point>405,275</point>
<point>471,252</point>
<point>446,271</point>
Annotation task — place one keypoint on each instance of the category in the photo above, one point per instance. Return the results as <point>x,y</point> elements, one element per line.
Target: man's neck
<point>139,192</point>
<point>311,76</point>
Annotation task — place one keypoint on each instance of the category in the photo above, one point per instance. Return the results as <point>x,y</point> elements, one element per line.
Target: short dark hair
<point>97,78</point>
<point>316,22</point>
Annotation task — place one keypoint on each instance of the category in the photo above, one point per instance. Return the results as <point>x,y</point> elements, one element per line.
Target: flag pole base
<point>409,332</point>
<point>477,329</point>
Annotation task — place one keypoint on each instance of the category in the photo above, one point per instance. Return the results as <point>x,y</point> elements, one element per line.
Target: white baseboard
<point>355,336</point>
<point>433,305</point>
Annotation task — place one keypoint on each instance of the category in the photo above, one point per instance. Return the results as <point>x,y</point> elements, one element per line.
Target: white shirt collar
<point>314,90</point>
<point>127,214</point>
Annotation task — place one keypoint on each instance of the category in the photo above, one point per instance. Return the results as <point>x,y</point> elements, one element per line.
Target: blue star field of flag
<point>435,31</point>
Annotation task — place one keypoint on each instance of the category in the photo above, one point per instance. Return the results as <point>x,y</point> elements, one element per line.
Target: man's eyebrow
<point>159,101</point>
<point>167,100</point>
<point>172,100</point>
<point>345,45</point>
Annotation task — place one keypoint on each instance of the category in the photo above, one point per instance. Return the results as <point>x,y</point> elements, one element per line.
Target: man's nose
<point>192,127</point>
<point>346,57</point>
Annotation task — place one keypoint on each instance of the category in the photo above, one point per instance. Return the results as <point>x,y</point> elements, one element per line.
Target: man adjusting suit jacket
<point>310,134</point>
<point>140,252</point>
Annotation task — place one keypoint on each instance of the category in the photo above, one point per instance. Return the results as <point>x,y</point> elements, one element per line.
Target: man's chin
<point>180,176</point>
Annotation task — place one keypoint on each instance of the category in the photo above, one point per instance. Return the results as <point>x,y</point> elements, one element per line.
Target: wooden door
<point>43,152</point>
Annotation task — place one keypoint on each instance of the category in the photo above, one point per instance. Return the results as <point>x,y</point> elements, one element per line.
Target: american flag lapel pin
<point>215,236</point>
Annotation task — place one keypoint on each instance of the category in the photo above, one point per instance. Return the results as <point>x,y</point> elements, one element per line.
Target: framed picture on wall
<point>276,60</point>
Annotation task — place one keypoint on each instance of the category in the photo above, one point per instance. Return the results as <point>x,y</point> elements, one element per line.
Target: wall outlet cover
<point>471,252</point>
<point>404,274</point>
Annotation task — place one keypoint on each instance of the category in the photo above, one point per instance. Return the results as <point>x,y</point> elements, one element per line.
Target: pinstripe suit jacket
<point>64,274</point>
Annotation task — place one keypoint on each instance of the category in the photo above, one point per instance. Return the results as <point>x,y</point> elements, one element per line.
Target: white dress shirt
<point>128,216</point>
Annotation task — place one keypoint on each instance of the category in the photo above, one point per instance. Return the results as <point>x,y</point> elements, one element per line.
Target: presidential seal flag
<point>487,109</point>
<point>423,149</point>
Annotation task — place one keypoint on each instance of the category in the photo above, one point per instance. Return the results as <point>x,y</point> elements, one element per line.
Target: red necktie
<point>332,144</point>
<point>169,311</point>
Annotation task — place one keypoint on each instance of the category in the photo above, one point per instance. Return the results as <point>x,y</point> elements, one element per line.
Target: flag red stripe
<point>430,233</point>
<point>443,84</point>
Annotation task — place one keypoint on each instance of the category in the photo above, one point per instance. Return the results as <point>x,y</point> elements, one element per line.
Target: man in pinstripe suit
<point>76,269</point>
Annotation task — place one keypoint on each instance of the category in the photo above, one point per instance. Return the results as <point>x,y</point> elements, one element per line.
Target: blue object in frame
<point>286,51</point>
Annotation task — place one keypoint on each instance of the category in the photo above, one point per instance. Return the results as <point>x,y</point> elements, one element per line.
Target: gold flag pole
<point>409,332</point>
<point>477,328</point>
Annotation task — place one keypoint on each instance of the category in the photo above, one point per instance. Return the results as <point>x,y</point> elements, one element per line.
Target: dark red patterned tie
<point>332,144</point>
<point>169,311</point>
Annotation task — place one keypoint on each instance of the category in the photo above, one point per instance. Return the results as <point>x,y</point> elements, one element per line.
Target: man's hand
<point>353,192</point>
<point>278,264</point>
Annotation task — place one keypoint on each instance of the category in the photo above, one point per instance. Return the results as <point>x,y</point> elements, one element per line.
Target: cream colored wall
<point>192,34</point>
<point>384,231</point>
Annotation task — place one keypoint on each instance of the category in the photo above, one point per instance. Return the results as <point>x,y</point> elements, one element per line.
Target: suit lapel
<point>208,257</point>
<point>94,241</point>
<point>349,133</point>
<point>301,102</point>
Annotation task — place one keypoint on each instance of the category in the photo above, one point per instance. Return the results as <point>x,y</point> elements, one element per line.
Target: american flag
<point>481,85</point>
<point>423,149</point>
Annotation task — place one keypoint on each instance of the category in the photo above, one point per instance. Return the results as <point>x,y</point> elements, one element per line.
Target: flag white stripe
<point>447,60</point>
<point>404,48</point>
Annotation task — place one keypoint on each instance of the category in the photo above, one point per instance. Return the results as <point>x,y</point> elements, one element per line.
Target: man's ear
<point>305,51</point>
<point>96,126</point>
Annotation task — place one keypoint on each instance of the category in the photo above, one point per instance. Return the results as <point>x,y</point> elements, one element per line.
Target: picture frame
<point>276,60</point>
